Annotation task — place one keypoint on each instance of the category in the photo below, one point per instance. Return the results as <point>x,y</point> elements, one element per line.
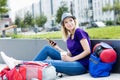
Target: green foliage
<point>22,25</point>
<point>118,20</point>
<point>41,20</point>
<point>28,19</point>
<point>17,21</point>
<point>3,6</point>
<point>62,8</point>
<point>115,7</point>
<point>108,7</point>
<point>109,22</point>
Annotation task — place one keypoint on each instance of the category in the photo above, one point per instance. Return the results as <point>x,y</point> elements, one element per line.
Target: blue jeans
<point>69,68</point>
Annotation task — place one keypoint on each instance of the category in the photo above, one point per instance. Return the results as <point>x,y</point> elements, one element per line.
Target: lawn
<point>112,32</point>
<point>109,32</point>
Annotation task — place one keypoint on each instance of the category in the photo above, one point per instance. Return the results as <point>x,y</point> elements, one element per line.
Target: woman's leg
<point>47,51</point>
<point>11,62</point>
<point>69,68</point>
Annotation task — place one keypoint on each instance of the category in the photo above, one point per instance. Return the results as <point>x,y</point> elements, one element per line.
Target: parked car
<point>98,24</point>
<point>54,28</point>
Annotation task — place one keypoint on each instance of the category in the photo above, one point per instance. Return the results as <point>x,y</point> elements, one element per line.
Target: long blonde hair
<point>65,32</point>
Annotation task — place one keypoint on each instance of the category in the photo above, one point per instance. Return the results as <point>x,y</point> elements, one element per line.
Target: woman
<point>75,60</point>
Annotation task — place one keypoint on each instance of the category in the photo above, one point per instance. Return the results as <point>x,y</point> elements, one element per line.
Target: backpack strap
<point>34,63</point>
<point>4,71</point>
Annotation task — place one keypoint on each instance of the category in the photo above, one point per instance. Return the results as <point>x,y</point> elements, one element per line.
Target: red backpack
<point>25,71</point>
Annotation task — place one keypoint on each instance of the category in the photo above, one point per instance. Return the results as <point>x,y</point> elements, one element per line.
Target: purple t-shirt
<point>76,48</point>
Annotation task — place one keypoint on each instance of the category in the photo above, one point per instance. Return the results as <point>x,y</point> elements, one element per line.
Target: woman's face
<point>69,24</point>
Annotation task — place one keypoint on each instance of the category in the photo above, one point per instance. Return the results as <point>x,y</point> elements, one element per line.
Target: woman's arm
<point>86,52</point>
<point>61,50</point>
<point>68,53</point>
<point>86,49</point>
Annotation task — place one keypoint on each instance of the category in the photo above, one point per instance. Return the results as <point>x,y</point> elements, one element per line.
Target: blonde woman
<point>74,61</point>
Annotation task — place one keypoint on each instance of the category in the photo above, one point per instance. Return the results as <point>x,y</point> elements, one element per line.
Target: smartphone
<point>51,42</point>
<point>48,39</point>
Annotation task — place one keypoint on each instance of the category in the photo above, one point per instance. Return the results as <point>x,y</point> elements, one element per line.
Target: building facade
<point>5,19</point>
<point>84,10</point>
<point>48,7</point>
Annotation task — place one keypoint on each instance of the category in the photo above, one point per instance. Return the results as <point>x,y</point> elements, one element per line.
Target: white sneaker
<point>8,60</point>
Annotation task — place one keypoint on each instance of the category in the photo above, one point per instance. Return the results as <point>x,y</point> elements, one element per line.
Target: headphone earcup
<point>108,55</point>
<point>97,49</point>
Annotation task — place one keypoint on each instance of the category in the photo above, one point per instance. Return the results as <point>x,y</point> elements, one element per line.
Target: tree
<point>115,7</point>
<point>17,20</point>
<point>118,20</point>
<point>108,7</point>
<point>28,19</point>
<point>62,8</point>
<point>41,20</point>
<point>3,7</point>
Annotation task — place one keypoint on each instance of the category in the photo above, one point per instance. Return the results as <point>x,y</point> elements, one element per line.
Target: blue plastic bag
<point>98,68</point>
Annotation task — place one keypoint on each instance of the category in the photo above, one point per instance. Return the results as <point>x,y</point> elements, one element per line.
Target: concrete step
<point>88,77</point>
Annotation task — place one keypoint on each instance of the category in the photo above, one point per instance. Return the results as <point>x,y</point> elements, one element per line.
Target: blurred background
<point>36,16</point>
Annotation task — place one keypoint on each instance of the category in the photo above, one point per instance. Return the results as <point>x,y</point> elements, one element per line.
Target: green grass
<point>51,35</point>
<point>112,32</point>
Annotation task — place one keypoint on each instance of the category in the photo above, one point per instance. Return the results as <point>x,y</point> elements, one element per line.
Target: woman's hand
<point>67,58</point>
<point>51,42</point>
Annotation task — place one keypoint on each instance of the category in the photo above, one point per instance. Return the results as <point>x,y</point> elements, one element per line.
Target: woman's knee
<point>47,47</point>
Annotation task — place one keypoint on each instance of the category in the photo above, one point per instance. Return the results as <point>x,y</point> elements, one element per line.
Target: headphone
<point>105,52</point>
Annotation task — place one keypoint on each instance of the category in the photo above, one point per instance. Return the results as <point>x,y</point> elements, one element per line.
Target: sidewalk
<point>88,77</point>
<point>113,76</point>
